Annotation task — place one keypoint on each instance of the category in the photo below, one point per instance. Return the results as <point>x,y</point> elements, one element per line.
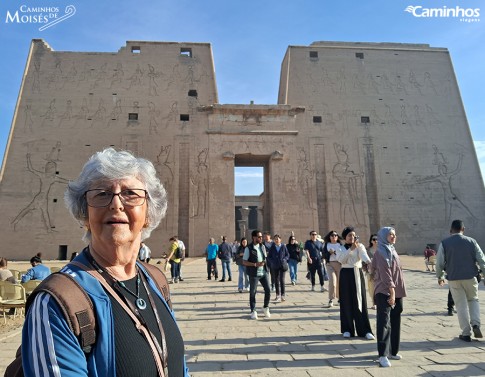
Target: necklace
<point>140,303</point>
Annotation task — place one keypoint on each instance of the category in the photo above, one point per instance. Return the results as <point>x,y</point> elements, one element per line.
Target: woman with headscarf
<point>389,291</point>
<point>353,301</point>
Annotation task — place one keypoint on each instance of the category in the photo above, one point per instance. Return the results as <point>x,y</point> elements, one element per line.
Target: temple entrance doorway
<point>251,194</point>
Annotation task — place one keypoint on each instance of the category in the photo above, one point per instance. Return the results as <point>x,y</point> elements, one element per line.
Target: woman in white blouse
<point>354,318</point>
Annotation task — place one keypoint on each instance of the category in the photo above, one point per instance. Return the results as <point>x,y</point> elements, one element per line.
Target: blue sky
<point>249,39</point>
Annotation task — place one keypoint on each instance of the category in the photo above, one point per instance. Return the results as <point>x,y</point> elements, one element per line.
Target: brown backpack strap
<point>74,303</point>
<point>160,280</point>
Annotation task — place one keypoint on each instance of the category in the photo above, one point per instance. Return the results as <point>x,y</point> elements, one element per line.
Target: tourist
<point>211,258</point>
<point>37,272</point>
<point>144,253</point>
<point>120,201</point>
<point>174,257</point>
<point>243,280</point>
<point>182,253</point>
<point>389,291</point>
<point>353,301</point>
<point>5,273</point>
<point>330,253</point>
<point>371,250</point>
<point>278,263</point>
<point>314,249</point>
<point>255,261</point>
<point>225,255</point>
<point>459,256</point>
<point>295,257</point>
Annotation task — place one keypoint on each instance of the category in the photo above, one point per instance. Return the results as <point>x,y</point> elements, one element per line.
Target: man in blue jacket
<point>211,258</point>
<point>37,272</point>
<point>225,255</point>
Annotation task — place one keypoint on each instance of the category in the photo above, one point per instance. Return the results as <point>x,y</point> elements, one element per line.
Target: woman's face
<point>391,237</point>
<point>333,238</point>
<point>117,224</point>
<point>244,243</point>
<point>292,240</point>
<point>350,238</point>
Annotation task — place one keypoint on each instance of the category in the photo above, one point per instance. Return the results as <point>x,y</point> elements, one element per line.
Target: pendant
<point>141,304</point>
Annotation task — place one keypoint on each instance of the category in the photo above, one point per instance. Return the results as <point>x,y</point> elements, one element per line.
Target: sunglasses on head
<point>374,239</point>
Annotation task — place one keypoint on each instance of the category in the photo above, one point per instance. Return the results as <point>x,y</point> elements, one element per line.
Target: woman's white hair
<point>112,165</point>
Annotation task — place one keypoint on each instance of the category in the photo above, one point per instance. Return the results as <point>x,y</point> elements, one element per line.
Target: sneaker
<point>283,298</point>
<point>384,362</point>
<point>208,278</point>
<point>395,357</point>
<point>323,289</point>
<point>450,312</point>
<point>277,299</point>
<point>170,281</point>
<point>346,334</point>
<point>465,338</point>
<point>313,288</point>
<point>222,280</point>
<point>247,289</point>
<point>266,312</point>
<point>293,282</point>
<point>330,303</point>
<point>477,332</point>
<point>240,290</point>
<point>254,314</point>
<point>181,279</point>
<point>369,336</point>
<point>176,280</point>
<point>373,307</point>
<point>230,279</point>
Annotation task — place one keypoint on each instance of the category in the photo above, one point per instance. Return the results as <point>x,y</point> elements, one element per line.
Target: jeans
<point>175,270</point>
<point>226,265</point>
<point>243,281</point>
<point>279,279</point>
<point>293,267</point>
<point>211,264</point>
<point>253,284</point>
<point>388,325</point>
<point>465,295</point>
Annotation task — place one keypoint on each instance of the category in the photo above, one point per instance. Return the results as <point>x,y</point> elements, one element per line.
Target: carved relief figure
<point>153,113</point>
<point>117,75</point>
<point>305,177</point>
<point>349,183</point>
<point>100,76</point>
<point>36,78</point>
<point>135,79</point>
<point>50,114</point>
<point>414,82</point>
<point>429,84</point>
<point>100,114</point>
<point>152,85</point>
<point>28,118</point>
<point>200,181</point>
<point>67,114</point>
<point>40,201</point>
<point>445,179</point>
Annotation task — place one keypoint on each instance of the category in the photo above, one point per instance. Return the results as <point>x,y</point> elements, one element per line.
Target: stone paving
<point>302,337</point>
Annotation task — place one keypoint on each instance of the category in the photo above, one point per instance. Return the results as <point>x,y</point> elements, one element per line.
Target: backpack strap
<point>74,303</point>
<point>160,280</point>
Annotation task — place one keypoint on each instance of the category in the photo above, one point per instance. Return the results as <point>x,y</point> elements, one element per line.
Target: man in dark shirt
<point>225,255</point>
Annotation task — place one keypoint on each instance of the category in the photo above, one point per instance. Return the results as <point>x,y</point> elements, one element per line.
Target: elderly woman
<point>389,291</point>
<point>353,301</point>
<point>119,200</point>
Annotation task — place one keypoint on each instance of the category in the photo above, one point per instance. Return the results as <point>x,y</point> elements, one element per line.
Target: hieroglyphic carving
<point>200,181</point>
<point>36,78</point>
<point>67,114</point>
<point>171,116</point>
<point>117,75</point>
<point>414,82</point>
<point>445,178</point>
<point>305,178</point>
<point>28,122</point>
<point>349,186</point>
<point>40,201</point>
<point>100,77</point>
<point>153,114</point>
<point>50,113</point>
<point>99,115</point>
<point>152,84</point>
<point>135,78</point>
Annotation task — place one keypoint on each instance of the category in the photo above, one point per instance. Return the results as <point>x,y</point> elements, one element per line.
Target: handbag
<point>284,265</point>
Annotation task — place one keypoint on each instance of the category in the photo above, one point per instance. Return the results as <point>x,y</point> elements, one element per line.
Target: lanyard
<point>113,288</point>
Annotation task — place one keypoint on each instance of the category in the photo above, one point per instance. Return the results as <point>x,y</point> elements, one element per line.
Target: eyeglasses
<point>313,234</point>
<point>374,239</point>
<point>99,198</point>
